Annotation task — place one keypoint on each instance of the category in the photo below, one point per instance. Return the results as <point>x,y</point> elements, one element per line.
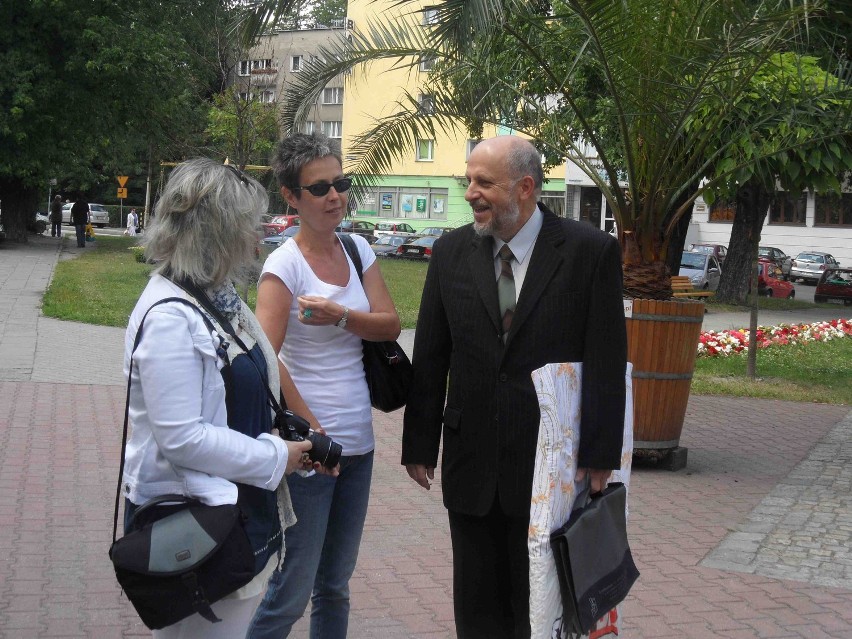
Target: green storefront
<point>430,201</point>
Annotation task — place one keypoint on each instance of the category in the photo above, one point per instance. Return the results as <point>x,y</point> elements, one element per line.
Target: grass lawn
<point>813,372</point>
<point>101,287</point>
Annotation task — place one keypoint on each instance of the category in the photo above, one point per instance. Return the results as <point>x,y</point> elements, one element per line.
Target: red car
<point>835,286</point>
<point>278,224</point>
<point>769,281</point>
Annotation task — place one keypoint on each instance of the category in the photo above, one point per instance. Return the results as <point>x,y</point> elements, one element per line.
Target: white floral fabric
<point>558,387</point>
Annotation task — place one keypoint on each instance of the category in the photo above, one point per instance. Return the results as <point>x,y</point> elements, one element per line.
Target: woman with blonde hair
<point>201,422</point>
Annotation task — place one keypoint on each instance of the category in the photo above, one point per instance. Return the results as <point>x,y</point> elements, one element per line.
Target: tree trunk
<point>19,203</point>
<point>676,242</point>
<point>752,203</point>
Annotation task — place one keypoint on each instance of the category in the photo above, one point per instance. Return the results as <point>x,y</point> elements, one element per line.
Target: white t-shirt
<point>326,362</point>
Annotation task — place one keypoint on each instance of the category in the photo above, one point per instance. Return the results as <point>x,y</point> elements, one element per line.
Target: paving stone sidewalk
<point>777,472</point>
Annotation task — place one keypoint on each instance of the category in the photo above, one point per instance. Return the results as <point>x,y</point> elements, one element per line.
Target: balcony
<point>264,77</point>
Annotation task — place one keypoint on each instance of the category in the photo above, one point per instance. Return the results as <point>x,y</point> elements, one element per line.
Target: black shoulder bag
<point>182,556</point>
<point>386,366</point>
<point>593,559</point>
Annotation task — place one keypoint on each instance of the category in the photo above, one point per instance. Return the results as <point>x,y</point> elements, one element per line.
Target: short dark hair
<point>297,150</point>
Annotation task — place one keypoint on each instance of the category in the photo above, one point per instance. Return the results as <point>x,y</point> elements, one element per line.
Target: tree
<point>655,65</point>
<point>243,130</point>
<point>818,159</point>
<point>95,87</point>
<point>325,12</point>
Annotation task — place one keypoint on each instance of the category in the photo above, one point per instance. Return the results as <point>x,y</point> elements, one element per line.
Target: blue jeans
<point>321,551</point>
<point>81,235</point>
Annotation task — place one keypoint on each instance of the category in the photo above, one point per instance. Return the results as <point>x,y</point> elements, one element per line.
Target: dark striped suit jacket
<point>478,393</point>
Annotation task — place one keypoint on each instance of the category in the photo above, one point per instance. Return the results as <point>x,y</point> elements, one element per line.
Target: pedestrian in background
<point>132,222</point>
<point>517,289</point>
<point>79,218</point>
<point>56,216</point>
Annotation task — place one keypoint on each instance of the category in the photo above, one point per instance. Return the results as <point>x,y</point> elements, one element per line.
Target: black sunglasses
<point>242,177</point>
<point>322,188</point>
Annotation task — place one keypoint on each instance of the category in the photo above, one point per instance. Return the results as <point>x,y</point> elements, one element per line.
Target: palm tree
<point>618,86</point>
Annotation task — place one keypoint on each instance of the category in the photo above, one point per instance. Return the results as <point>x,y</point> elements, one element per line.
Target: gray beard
<point>500,221</point>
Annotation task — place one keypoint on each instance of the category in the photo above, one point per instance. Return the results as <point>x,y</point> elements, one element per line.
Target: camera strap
<point>200,296</point>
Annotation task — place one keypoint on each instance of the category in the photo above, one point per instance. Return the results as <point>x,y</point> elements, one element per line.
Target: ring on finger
<point>307,313</point>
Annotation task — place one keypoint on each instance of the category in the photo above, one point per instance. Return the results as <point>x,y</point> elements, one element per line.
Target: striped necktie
<point>506,288</point>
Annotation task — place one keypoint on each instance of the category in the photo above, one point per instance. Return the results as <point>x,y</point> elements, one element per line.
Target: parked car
<point>359,227</point>
<point>98,214</point>
<point>770,283</point>
<point>835,286</point>
<point>810,265</point>
<point>436,230</point>
<point>719,251</point>
<point>419,249</point>
<point>779,257</point>
<point>278,224</point>
<point>394,228</point>
<point>702,269</point>
<point>386,245</point>
<point>280,238</point>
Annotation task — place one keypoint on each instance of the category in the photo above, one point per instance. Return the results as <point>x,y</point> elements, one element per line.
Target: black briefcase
<point>593,560</point>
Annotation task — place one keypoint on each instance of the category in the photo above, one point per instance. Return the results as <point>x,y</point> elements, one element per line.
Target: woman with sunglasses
<point>315,312</point>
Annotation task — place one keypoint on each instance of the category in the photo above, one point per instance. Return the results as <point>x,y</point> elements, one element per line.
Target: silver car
<point>810,265</point>
<point>703,270</point>
<point>98,215</point>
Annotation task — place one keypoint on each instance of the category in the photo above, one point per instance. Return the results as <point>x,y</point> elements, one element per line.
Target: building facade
<point>266,72</point>
<point>427,187</point>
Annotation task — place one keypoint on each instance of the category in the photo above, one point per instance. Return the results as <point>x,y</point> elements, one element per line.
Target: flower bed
<point>724,343</point>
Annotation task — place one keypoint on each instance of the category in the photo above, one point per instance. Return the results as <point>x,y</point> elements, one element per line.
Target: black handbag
<point>178,556</point>
<point>386,366</point>
<point>593,559</point>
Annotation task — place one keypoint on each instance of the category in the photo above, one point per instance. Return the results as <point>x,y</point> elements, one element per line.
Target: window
<point>833,210</point>
<point>788,209</point>
<point>427,63</point>
<point>295,63</point>
<point>427,103</point>
<point>332,128</point>
<point>308,127</point>
<point>244,95</point>
<point>405,202</point>
<point>430,17</point>
<point>722,211</point>
<point>425,149</point>
<point>266,97</point>
<point>247,67</point>
<point>591,203</point>
<point>332,95</point>
<point>471,144</point>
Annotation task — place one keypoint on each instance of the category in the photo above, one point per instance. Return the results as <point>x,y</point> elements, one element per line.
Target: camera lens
<point>324,450</point>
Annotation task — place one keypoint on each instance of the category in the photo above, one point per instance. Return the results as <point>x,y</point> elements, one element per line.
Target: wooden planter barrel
<point>662,342</point>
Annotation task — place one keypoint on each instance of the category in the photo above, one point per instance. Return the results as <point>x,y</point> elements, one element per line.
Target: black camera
<point>293,428</point>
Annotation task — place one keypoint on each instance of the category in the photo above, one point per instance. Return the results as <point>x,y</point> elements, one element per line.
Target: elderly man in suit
<point>517,289</point>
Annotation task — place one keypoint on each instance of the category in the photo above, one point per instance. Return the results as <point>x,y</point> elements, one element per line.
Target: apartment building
<point>267,71</point>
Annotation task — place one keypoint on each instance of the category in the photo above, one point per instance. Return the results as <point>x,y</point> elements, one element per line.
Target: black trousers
<point>491,585</point>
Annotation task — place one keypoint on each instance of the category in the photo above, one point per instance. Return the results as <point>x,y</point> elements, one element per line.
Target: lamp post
<point>50,186</point>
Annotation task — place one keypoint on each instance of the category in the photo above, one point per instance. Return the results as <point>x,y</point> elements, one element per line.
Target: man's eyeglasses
<point>322,188</point>
<point>242,177</point>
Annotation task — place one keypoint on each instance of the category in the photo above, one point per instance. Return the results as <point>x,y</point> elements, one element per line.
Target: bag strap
<point>201,297</point>
<point>136,341</point>
<point>349,246</point>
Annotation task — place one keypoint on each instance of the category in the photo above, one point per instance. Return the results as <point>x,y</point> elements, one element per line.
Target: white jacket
<point>180,441</point>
